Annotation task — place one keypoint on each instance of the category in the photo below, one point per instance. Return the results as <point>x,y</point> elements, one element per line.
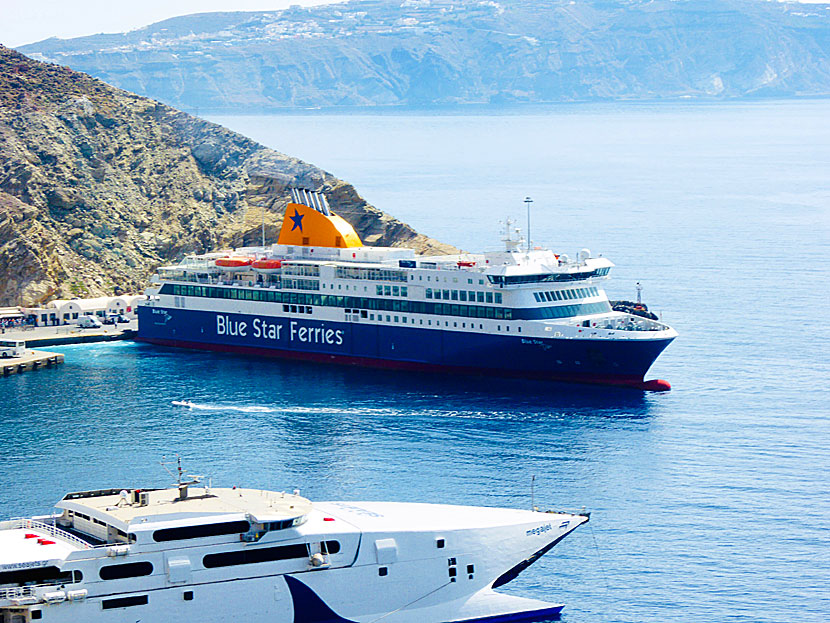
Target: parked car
<point>89,322</point>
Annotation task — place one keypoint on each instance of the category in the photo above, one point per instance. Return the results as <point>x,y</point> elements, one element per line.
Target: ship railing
<point>17,592</point>
<point>51,530</point>
<point>630,323</point>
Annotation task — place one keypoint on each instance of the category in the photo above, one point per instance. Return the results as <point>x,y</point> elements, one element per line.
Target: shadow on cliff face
<point>99,186</point>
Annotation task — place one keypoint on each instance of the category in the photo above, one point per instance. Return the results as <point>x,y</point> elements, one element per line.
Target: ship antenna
<point>532,492</point>
<point>528,201</point>
<point>164,464</point>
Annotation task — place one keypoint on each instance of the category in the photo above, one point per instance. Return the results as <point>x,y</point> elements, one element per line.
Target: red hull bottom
<point>654,385</point>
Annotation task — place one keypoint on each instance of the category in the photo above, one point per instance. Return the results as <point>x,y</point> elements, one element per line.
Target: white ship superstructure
<point>192,553</point>
<point>319,294</point>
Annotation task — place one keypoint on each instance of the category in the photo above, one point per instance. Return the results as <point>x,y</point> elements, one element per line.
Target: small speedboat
<point>182,403</point>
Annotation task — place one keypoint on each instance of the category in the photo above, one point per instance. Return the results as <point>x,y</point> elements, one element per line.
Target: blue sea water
<point>709,503</point>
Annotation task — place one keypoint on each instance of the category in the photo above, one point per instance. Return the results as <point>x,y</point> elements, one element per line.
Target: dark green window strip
<point>405,306</point>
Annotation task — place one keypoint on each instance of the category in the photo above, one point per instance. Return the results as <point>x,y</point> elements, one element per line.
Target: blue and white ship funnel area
<point>195,553</point>
<point>319,294</point>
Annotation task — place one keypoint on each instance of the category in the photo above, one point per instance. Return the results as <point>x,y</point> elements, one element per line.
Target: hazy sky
<point>27,21</point>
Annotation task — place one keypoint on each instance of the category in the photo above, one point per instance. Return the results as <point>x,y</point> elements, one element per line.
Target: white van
<point>12,348</point>
<point>89,322</point>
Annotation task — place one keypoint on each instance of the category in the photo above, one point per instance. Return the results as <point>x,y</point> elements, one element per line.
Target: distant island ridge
<point>442,53</point>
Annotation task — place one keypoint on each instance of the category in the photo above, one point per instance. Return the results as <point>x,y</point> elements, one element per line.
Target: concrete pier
<point>32,360</point>
<point>70,334</point>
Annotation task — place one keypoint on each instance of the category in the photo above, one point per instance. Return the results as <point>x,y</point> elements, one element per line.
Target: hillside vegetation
<point>99,186</point>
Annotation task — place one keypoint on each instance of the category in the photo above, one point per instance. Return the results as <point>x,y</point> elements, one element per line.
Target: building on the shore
<point>68,311</point>
<point>11,317</point>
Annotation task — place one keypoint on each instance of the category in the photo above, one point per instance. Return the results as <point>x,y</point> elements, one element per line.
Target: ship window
<point>37,614</point>
<point>404,291</point>
<point>40,575</point>
<point>463,295</point>
<point>452,572</point>
<point>498,297</point>
<point>489,297</point>
<point>198,532</point>
<point>187,595</point>
<point>254,556</point>
<point>387,290</point>
<point>446,295</point>
<point>455,295</point>
<point>127,570</point>
<point>439,543</point>
<point>382,571</point>
<point>480,297</point>
<point>125,602</point>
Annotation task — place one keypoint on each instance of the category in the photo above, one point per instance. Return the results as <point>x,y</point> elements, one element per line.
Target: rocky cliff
<point>99,186</point>
<point>445,52</point>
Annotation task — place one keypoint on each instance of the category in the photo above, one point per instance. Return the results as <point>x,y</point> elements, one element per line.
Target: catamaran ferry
<point>319,294</point>
<point>195,553</point>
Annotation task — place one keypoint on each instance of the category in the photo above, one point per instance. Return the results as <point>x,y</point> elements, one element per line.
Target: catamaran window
<point>253,556</point>
<point>40,575</point>
<point>127,570</point>
<point>198,532</point>
<point>125,602</point>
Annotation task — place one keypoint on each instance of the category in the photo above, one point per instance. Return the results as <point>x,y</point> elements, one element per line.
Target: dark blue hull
<point>614,362</point>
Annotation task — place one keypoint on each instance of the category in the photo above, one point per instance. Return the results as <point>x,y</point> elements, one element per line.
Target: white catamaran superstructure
<point>214,555</point>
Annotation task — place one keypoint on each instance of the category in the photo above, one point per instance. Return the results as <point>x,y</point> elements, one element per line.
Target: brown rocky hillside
<point>99,186</point>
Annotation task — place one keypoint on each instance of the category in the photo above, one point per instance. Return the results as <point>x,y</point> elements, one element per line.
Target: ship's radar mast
<point>181,484</point>
<point>511,244</point>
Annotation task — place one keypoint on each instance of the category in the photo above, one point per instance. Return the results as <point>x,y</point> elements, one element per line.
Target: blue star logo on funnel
<point>298,220</point>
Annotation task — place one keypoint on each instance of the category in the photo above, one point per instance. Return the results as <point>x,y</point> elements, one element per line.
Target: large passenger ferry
<point>319,294</point>
<point>195,553</point>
